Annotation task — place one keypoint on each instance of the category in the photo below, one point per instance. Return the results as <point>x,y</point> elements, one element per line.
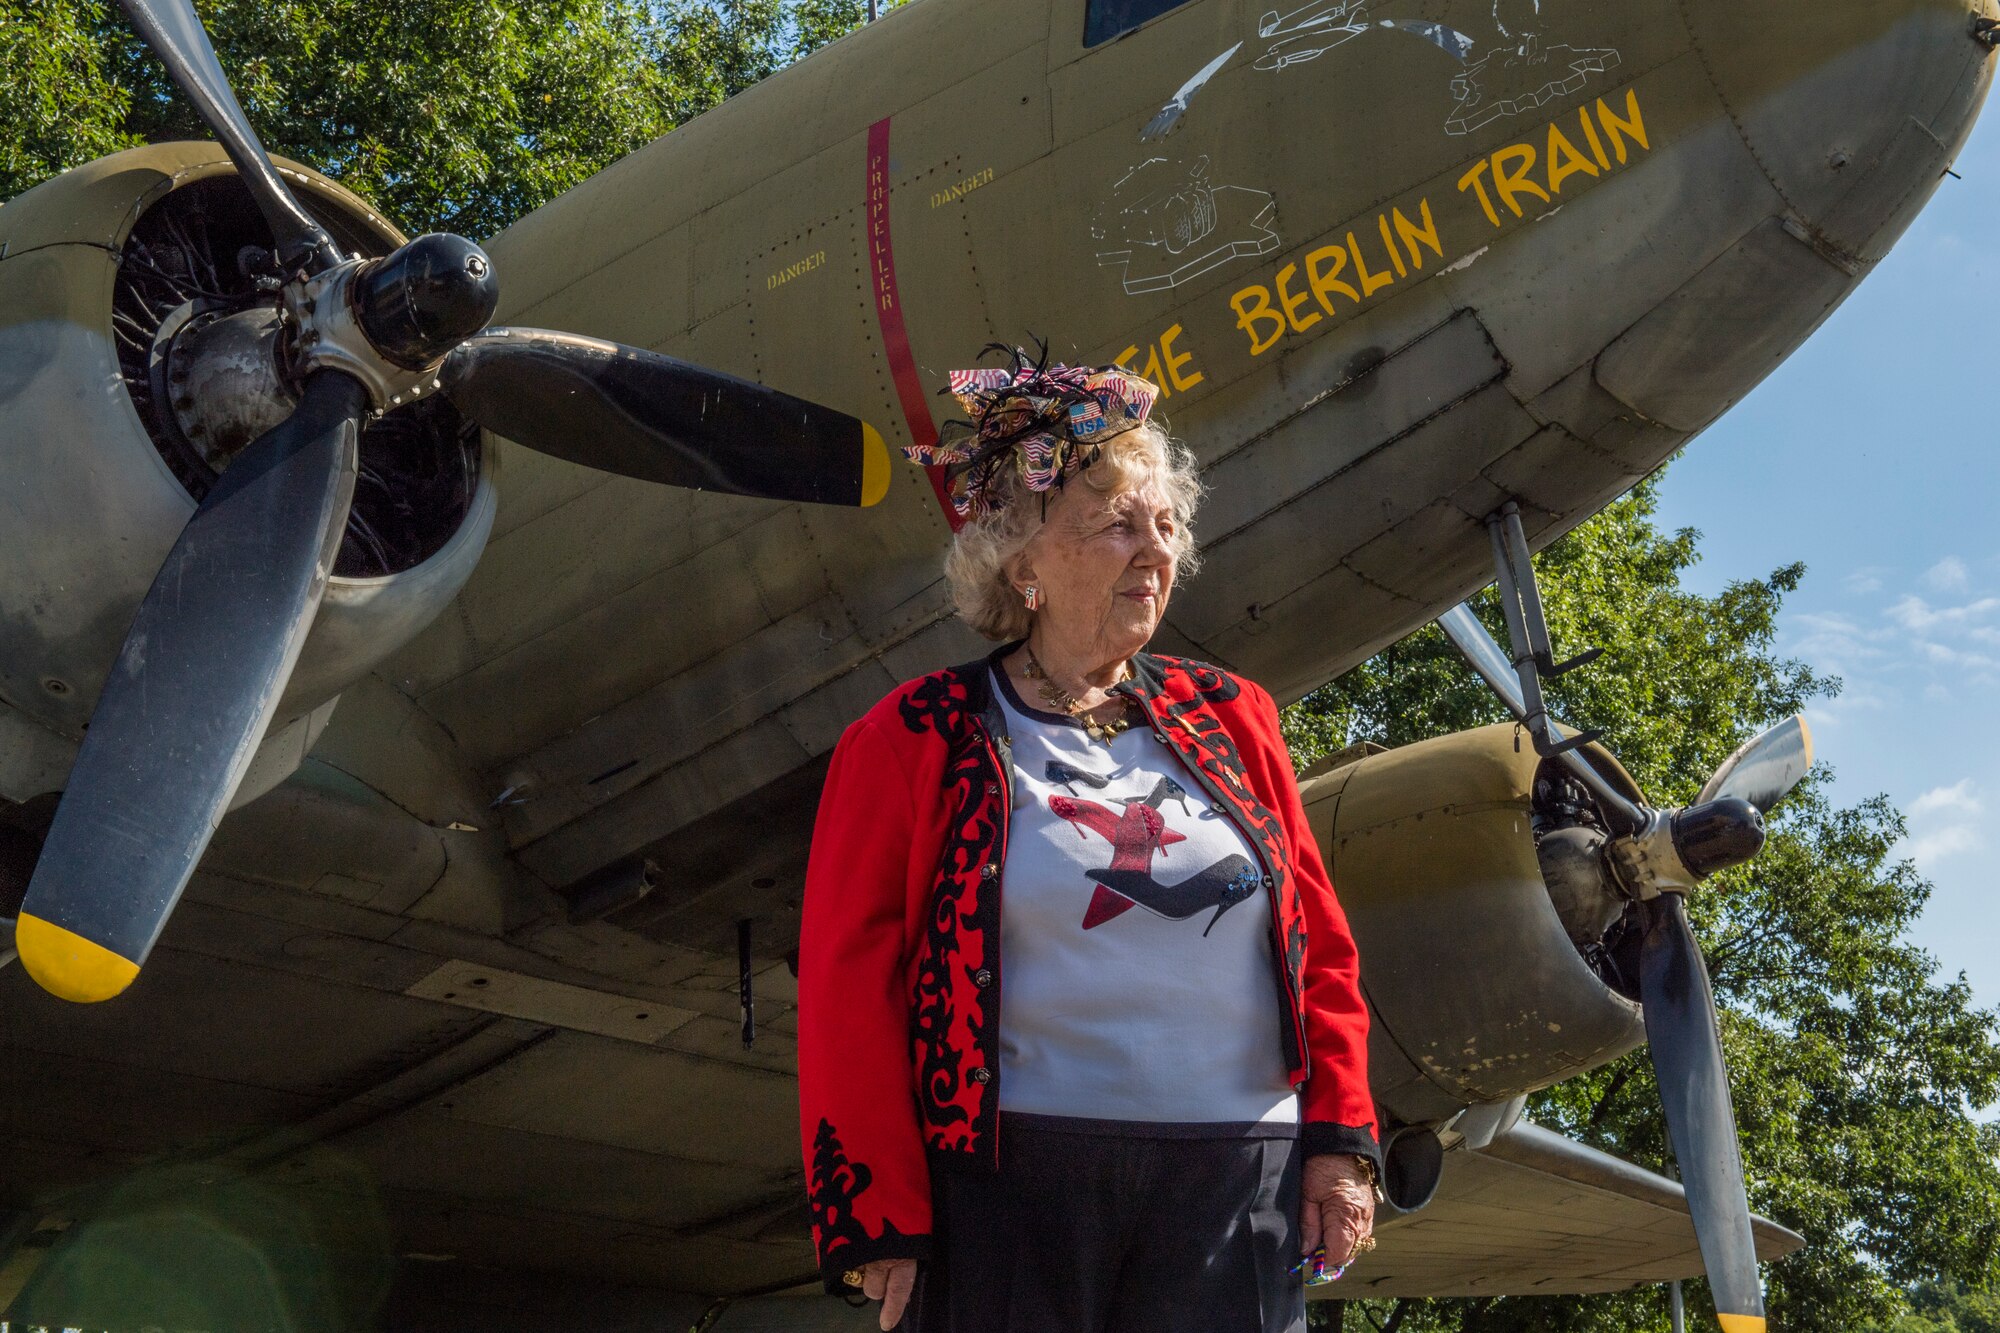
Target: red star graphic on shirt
<point>1134,836</point>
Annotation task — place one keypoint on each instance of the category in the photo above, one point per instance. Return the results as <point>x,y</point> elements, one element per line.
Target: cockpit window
<point>1105,19</point>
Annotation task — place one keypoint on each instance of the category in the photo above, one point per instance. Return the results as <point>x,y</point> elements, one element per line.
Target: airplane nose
<point>1853,108</point>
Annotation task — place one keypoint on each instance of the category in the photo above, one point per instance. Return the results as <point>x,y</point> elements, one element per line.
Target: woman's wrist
<point>1359,1168</point>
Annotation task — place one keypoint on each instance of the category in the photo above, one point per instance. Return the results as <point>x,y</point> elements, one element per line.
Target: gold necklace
<point>1062,700</point>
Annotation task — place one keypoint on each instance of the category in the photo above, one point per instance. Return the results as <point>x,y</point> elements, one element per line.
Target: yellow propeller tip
<point>67,965</point>
<point>874,466</point>
<point>1741,1323</point>
<point>1806,731</point>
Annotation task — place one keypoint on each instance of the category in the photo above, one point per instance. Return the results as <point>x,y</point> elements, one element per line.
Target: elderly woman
<point>1081,1037</point>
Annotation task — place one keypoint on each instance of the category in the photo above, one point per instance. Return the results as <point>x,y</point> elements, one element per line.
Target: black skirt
<point>1097,1227</point>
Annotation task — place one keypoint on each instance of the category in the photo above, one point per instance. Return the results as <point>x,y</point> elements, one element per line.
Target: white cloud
<point>1946,822</point>
<point>1832,642</point>
<point>1959,798</point>
<point>1943,655</point>
<point>1948,575</point>
<point>1864,581</point>
<point>1828,622</point>
<point>1825,714</point>
<point>1939,646</point>
<point>1949,841</point>
<point>1915,614</point>
<point>1857,701</point>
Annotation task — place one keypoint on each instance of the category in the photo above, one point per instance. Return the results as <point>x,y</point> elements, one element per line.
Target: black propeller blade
<point>644,415</point>
<point>176,36</point>
<point>190,697</point>
<point>1694,1090</point>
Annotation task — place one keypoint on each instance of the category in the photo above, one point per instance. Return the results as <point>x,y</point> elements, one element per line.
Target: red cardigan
<point>900,976</point>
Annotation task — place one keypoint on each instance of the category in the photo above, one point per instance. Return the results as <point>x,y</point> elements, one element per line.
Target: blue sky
<point>1870,455</point>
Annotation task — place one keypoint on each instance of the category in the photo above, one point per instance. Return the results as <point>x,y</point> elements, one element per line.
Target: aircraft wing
<point>1535,1214</point>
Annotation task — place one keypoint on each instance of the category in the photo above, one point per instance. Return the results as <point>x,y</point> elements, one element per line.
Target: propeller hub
<point>1647,863</point>
<point>425,299</point>
<point>1717,835</point>
<point>1677,849</point>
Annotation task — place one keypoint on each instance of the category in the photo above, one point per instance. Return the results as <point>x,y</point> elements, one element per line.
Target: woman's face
<point>1105,566</point>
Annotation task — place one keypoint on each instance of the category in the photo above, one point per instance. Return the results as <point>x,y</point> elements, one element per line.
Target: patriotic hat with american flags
<point>1046,421</point>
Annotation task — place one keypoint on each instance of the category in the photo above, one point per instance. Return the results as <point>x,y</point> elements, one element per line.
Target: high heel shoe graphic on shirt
<point>1135,834</point>
<point>1221,886</point>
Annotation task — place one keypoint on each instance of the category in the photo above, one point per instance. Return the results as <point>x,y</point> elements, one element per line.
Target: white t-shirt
<point>1140,983</point>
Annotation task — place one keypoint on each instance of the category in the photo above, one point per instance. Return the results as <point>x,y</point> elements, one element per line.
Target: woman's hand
<point>890,1281</point>
<point>1337,1206</point>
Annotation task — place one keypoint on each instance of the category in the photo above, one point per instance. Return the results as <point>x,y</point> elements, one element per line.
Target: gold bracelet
<point>1373,1174</point>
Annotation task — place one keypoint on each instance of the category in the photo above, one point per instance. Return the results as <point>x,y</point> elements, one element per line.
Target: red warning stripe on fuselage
<point>889,311</point>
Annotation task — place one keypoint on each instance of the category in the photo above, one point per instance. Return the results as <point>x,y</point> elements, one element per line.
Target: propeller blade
<point>1469,636</point>
<point>1492,665</point>
<point>176,36</point>
<point>1765,768</point>
<point>1694,1090</point>
<point>190,698</point>
<point>643,415</point>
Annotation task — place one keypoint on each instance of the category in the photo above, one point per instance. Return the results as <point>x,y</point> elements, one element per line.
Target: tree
<point>448,115</point>
<point>1857,1071</point>
<point>1946,1307</point>
<point>718,49</point>
<point>59,101</point>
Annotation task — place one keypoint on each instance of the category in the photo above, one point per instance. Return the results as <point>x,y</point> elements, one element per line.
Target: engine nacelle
<point>105,447</point>
<point>1477,991</point>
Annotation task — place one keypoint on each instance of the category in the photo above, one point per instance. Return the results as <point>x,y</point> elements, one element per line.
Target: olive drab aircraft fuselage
<point>530,821</point>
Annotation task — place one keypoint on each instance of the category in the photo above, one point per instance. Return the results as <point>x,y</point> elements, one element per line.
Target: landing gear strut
<point>1528,631</point>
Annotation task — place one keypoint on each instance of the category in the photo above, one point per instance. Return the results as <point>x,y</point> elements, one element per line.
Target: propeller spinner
<point>199,678</point>
<point>1657,857</point>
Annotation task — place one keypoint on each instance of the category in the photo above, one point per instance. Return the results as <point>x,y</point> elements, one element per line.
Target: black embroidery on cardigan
<point>950,1022</point>
<point>834,1185</point>
<point>937,703</point>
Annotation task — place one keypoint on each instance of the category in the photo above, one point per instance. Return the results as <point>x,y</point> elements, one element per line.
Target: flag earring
<point>1032,596</point>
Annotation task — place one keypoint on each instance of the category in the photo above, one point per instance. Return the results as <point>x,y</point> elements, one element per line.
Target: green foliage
<point>59,101</point>
<point>1945,1307</point>
<point>719,49</point>
<point>449,115</point>
<point>1856,1070</point>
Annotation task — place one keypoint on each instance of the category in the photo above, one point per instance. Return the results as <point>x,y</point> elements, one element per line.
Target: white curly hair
<point>976,565</point>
